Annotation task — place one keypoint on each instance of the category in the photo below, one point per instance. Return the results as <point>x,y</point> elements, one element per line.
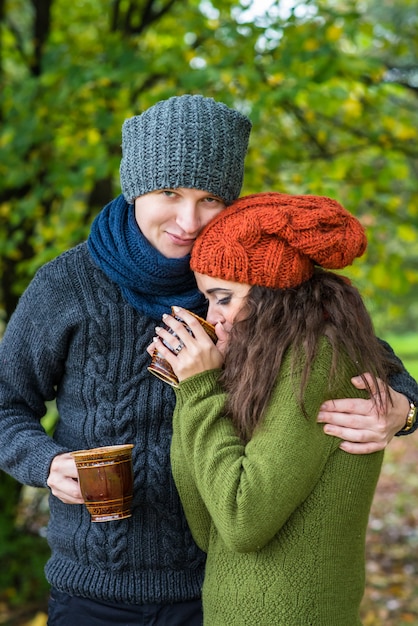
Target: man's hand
<point>63,479</point>
<point>364,425</point>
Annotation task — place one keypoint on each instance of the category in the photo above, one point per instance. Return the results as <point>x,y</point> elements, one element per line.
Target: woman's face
<point>171,219</point>
<point>225,299</point>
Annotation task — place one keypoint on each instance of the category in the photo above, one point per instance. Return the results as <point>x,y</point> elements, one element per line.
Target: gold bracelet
<point>410,418</point>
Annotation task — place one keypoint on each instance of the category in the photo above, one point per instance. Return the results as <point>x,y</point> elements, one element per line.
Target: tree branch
<point>41,30</point>
<point>136,18</point>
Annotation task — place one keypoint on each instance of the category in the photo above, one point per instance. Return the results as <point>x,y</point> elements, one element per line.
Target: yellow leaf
<point>352,108</point>
<point>5,208</point>
<point>406,233</point>
<point>275,79</point>
<point>311,45</point>
<point>404,132</point>
<point>93,136</point>
<point>6,138</point>
<point>333,33</point>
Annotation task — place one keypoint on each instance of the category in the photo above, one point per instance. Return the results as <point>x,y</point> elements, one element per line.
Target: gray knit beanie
<point>185,141</point>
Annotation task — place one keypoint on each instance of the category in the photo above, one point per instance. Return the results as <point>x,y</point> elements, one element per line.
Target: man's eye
<point>213,200</point>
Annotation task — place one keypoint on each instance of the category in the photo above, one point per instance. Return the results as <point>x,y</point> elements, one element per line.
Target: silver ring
<point>179,347</point>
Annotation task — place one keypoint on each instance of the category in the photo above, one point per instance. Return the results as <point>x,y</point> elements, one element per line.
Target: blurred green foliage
<point>331,87</point>
<point>406,347</point>
<point>23,551</point>
<point>23,546</point>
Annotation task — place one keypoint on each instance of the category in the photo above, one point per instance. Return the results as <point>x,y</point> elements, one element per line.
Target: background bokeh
<point>332,90</point>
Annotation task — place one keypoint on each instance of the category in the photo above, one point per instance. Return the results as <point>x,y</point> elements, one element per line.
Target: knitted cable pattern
<point>274,240</point>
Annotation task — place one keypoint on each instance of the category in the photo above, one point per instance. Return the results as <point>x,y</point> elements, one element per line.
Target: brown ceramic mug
<point>106,481</point>
<point>162,368</point>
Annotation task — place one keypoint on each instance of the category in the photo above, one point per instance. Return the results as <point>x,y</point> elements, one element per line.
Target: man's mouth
<point>181,241</point>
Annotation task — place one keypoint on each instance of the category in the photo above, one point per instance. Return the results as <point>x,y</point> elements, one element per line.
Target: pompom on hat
<point>275,240</point>
<point>186,141</point>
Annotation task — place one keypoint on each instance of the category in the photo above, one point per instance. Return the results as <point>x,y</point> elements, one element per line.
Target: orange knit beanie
<point>276,239</point>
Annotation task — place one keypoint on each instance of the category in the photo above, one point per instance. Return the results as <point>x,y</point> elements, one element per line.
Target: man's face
<point>171,219</point>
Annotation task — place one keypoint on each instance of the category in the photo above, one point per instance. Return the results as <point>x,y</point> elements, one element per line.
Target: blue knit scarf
<point>150,282</point>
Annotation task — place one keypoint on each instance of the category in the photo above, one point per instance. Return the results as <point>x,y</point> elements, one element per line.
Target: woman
<point>279,508</point>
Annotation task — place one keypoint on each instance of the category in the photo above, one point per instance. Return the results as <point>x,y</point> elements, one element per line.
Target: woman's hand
<point>192,353</point>
<point>364,425</point>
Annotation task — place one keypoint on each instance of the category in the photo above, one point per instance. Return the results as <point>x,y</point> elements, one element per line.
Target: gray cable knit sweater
<point>73,337</point>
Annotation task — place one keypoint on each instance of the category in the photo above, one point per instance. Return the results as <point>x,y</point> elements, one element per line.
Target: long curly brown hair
<point>274,320</point>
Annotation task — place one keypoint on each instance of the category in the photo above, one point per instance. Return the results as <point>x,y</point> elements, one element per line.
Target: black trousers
<point>66,610</point>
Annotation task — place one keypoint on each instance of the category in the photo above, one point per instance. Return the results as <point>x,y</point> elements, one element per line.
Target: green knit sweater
<point>283,519</point>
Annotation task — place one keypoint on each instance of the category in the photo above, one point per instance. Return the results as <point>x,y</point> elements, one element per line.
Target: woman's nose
<point>213,317</point>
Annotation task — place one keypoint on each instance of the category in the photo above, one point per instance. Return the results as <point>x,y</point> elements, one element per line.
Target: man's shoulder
<point>68,267</point>
<point>77,254</point>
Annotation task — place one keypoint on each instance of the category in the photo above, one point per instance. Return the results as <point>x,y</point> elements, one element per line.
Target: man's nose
<point>188,218</point>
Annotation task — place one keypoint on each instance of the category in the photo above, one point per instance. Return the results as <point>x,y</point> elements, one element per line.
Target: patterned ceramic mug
<point>106,481</point>
<point>162,368</point>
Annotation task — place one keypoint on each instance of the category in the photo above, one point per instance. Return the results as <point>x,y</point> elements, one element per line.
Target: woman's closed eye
<point>224,301</point>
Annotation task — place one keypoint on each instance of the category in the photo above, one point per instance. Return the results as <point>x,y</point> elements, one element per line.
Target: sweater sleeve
<point>197,515</point>
<point>251,490</point>
<point>29,374</point>
<point>403,383</point>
